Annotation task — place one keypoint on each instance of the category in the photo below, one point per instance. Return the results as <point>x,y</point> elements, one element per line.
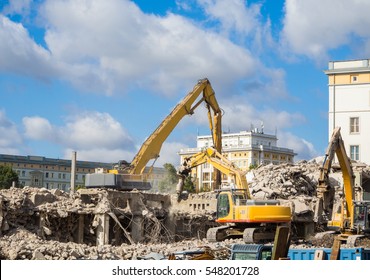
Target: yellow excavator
<point>347,216</point>
<point>242,216</point>
<point>127,176</point>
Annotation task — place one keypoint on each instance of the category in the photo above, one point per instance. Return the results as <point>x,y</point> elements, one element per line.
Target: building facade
<point>244,149</point>
<point>349,105</point>
<point>49,173</point>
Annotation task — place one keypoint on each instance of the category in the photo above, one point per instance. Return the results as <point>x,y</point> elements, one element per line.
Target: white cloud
<point>240,115</point>
<point>113,46</point>
<point>303,148</point>
<point>169,154</point>
<point>20,54</point>
<point>10,138</point>
<point>38,128</point>
<point>313,28</point>
<point>18,7</point>
<point>100,154</point>
<point>241,22</point>
<point>234,15</point>
<point>90,130</point>
<point>94,135</point>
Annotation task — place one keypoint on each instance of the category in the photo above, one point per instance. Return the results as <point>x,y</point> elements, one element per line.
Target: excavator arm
<point>241,215</point>
<point>152,146</point>
<point>325,193</point>
<point>219,162</point>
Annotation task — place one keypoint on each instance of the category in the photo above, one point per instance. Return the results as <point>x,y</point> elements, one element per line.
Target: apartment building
<point>50,173</point>
<point>349,105</point>
<point>244,149</point>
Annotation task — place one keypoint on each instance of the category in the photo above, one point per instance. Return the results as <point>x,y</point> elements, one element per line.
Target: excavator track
<point>257,235</point>
<point>249,235</point>
<point>217,233</point>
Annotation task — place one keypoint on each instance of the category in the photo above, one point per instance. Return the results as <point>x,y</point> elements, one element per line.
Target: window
<point>354,126</point>
<point>355,151</point>
<point>223,206</point>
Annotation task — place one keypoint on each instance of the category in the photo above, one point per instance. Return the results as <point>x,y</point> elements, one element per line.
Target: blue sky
<point>98,77</point>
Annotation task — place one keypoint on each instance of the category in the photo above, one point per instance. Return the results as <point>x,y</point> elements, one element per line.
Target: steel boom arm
<point>152,145</point>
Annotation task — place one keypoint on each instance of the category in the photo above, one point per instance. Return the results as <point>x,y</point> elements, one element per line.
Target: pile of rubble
<point>293,184</point>
<point>21,236</point>
<point>21,244</point>
<point>296,183</point>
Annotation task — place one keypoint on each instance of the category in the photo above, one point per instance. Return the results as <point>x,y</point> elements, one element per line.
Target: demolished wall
<point>108,224</point>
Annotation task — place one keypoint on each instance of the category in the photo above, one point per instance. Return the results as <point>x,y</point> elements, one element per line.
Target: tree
<point>168,184</point>
<point>7,177</point>
<point>189,184</point>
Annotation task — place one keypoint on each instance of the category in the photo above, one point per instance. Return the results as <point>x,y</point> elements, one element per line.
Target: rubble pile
<point>292,184</point>
<point>22,236</point>
<point>285,181</point>
<point>21,244</point>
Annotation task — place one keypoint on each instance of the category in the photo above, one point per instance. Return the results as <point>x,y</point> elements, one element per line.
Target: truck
<point>136,175</point>
<point>264,252</point>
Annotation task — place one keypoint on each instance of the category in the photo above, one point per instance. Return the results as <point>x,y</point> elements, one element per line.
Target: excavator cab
<point>361,216</point>
<point>227,198</point>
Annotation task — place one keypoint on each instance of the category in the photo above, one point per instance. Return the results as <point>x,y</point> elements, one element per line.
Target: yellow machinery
<point>242,216</point>
<point>347,216</point>
<point>129,176</point>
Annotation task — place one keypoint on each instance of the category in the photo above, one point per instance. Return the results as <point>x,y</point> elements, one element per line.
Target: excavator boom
<point>347,215</point>
<point>219,162</point>
<point>325,193</point>
<point>152,146</point>
<point>129,176</point>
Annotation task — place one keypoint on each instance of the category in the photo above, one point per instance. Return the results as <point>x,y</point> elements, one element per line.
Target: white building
<point>349,105</point>
<point>244,149</point>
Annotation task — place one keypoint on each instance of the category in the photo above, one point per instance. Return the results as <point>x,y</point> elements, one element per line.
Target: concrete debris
<point>22,244</point>
<point>107,224</point>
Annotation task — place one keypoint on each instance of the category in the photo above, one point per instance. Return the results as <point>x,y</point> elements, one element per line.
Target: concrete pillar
<point>102,230</point>
<point>79,234</point>
<point>118,236</point>
<point>309,229</point>
<point>73,171</point>
<point>137,228</point>
<point>42,218</point>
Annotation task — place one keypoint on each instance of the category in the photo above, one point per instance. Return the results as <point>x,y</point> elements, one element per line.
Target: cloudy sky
<point>98,77</point>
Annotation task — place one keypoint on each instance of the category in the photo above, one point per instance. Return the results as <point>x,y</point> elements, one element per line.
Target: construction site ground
<point>46,224</point>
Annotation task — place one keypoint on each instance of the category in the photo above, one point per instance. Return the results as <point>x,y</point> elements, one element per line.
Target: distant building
<point>349,105</point>
<point>245,149</point>
<point>49,173</point>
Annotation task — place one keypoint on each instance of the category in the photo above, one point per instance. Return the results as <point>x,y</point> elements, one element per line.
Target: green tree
<point>253,166</point>
<point>189,184</point>
<point>169,182</point>
<point>7,177</point>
